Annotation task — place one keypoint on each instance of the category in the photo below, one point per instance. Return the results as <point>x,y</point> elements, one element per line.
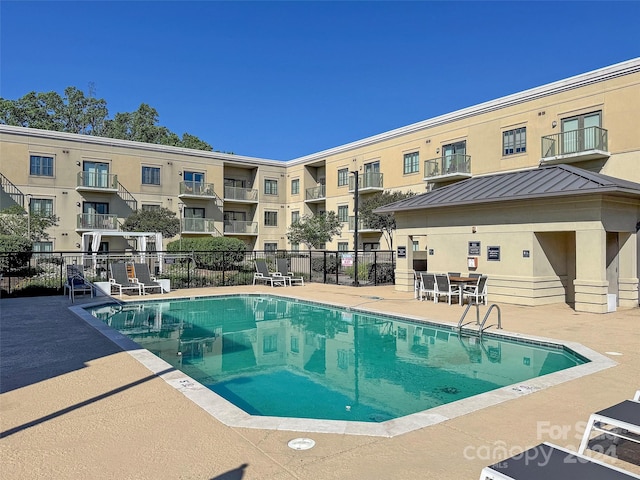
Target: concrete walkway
<point>75,406</point>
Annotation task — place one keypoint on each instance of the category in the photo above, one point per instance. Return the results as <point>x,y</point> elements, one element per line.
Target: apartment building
<point>590,122</point>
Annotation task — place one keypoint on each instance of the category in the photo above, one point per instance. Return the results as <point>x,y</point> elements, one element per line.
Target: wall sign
<point>474,248</point>
<point>493,254</point>
<point>402,252</point>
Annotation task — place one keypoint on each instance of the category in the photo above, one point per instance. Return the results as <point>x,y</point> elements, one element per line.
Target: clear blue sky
<point>286,79</point>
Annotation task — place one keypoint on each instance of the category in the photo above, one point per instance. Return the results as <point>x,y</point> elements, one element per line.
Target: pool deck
<point>75,405</point>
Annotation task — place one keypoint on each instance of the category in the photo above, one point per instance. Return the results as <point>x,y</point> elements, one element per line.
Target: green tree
<point>15,221</point>
<point>160,220</point>
<point>386,223</point>
<point>314,230</point>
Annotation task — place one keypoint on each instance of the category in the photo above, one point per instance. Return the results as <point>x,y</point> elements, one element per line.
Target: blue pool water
<point>288,358</point>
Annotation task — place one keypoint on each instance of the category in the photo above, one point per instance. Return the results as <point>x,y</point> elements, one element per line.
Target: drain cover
<point>301,443</point>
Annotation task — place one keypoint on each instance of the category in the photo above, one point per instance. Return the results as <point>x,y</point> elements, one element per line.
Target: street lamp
<point>355,230</point>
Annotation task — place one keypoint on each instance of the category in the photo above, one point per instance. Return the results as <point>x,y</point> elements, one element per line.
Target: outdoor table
<point>462,282</point>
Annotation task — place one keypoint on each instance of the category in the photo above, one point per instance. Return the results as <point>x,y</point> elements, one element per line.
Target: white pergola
<point>91,242</point>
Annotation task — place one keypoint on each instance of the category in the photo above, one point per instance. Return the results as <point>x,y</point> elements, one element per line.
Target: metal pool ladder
<point>481,327</point>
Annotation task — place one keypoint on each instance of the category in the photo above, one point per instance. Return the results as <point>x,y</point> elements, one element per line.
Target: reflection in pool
<point>289,358</point>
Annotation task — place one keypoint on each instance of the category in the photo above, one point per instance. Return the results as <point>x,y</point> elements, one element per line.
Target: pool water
<point>288,358</point>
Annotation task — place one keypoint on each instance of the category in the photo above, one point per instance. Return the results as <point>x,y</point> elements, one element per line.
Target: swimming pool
<point>277,357</point>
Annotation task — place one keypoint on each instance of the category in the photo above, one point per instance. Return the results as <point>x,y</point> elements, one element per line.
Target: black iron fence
<point>42,273</point>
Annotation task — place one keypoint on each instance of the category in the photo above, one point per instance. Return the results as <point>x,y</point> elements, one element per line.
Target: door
<point>194,219</point>
<point>581,133</point>
<point>95,174</point>
<point>95,216</point>
<point>453,157</point>
<point>235,222</point>
<point>194,182</point>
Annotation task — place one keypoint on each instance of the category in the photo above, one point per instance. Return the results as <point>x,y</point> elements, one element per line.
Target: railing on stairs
<point>129,199</point>
<point>10,189</point>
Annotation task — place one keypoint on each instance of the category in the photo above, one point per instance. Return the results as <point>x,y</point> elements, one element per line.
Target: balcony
<point>237,227</point>
<point>240,195</point>
<point>589,143</point>
<point>363,227</point>
<point>97,221</point>
<point>316,194</point>
<point>447,168</point>
<point>197,190</point>
<point>198,226</point>
<point>98,182</point>
<point>367,182</point>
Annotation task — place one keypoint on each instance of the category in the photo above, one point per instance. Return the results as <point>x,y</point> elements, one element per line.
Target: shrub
<point>21,252</point>
<point>213,253</point>
<point>318,264</point>
<point>381,273</point>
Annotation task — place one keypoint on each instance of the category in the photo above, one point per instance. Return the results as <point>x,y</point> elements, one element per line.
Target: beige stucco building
<point>574,246</point>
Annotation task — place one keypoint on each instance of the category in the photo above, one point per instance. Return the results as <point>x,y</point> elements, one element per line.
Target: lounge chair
<point>618,421</point>
<point>550,462</point>
<point>262,274</point>
<point>144,278</point>
<point>283,269</point>
<point>427,286</point>
<point>120,280</point>
<point>477,292</point>
<point>76,282</point>
<point>416,282</point>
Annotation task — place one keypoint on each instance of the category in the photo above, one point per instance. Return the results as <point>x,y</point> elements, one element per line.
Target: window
<point>295,186</point>
<point>295,216</point>
<point>150,208</point>
<point>295,344</point>
<point>270,247</point>
<point>41,166</point>
<point>41,206</point>
<point>343,213</point>
<point>271,219</point>
<point>43,247</point>
<point>151,175</point>
<point>514,141</point>
<point>415,245</point>
<point>582,132</point>
<point>343,177</point>
<point>270,343</point>
<point>411,162</point>
<point>295,247</point>
<point>270,187</point>
<point>343,246</point>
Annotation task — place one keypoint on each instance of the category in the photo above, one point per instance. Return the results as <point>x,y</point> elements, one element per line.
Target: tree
<point>157,220</point>
<point>386,223</point>
<point>14,221</point>
<point>314,230</point>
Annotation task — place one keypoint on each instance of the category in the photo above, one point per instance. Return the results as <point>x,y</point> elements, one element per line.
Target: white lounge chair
<point>144,278</point>
<point>120,280</point>
<point>263,275</point>
<point>283,269</point>
<point>427,286</point>
<point>550,462</point>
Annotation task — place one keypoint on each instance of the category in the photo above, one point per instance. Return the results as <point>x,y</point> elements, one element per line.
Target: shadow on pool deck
<point>74,405</point>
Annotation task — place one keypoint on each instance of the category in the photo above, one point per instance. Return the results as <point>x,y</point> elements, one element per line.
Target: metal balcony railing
<point>447,165</point>
<point>98,180</point>
<point>199,225</point>
<point>199,189</point>
<point>575,142</point>
<point>369,180</point>
<point>97,221</point>
<point>316,193</point>
<point>241,227</point>
<point>242,194</point>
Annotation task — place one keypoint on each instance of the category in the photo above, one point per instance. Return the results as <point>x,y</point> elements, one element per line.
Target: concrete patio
<point>74,405</point>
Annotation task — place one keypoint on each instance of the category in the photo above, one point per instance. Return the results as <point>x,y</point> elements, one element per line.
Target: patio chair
<point>417,279</point>
<point>444,287</point>
<point>283,269</point>
<point>427,286</point>
<point>120,280</point>
<point>262,274</point>
<point>477,292</point>
<point>144,278</point>
<point>76,282</point>
<point>454,274</point>
<point>475,275</point>
<point>618,421</point>
<point>551,462</point>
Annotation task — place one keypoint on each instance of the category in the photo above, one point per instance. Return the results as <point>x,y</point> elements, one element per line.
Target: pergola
<point>91,242</point>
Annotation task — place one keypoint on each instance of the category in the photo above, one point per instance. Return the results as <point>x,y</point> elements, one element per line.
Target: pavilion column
<point>591,285</point>
<point>628,264</point>
<point>404,266</point>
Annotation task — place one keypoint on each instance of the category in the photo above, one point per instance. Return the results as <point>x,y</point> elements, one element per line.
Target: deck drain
<point>301,443</point>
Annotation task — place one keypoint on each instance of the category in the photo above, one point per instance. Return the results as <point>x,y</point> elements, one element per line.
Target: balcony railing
<point>362,225</point>
<point>197,189</point>
<point>366,181</point>
<point>97,181</point>
<point>199,225</point>
<point>448,167</point>
<point>240,194</point>
<point>97,221</point>
<point>582,144</point>
<point>238,227</point>
<point>316,193</point>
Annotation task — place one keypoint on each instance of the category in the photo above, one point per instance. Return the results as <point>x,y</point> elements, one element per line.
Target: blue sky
<point>286,79</point>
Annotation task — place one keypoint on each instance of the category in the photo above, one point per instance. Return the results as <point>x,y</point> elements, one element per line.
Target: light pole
<point>355,230</point>
<point>29,216</point>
